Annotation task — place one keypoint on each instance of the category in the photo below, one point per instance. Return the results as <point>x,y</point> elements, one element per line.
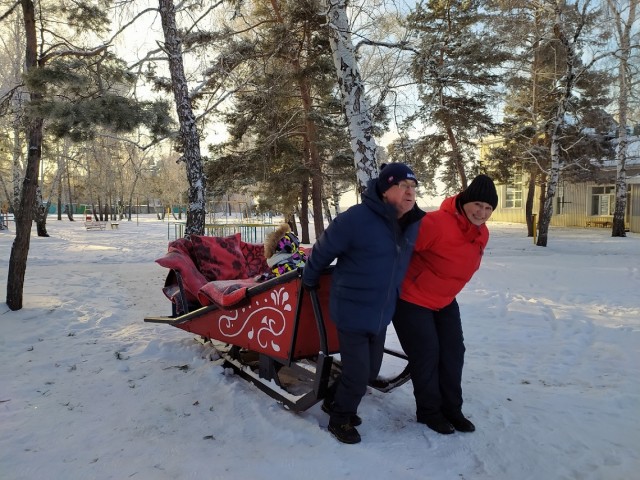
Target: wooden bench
<point>599,223</point>
<point>114,225</point>
<point>91,225</point>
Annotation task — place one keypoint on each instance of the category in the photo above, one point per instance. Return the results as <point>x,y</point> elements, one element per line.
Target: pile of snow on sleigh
<point>269,329</point>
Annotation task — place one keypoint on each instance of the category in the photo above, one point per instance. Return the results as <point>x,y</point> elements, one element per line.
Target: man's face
<point>402,196</point>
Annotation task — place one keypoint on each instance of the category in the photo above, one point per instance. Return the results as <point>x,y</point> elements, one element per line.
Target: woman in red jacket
<point>447,253</point>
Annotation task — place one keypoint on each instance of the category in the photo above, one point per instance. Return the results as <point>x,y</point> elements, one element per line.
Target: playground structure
<point>91,223</point>
<point>5,218</point>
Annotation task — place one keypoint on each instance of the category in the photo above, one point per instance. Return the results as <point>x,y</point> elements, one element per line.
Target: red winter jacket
<point>447,253</point>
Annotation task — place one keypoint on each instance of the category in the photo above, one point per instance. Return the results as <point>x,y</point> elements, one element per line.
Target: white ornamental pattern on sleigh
<point>271,325</point>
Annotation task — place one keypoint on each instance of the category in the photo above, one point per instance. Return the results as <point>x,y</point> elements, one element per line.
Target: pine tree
<point>66,85</point>
<point>282,124</point>
<point>457,55</point>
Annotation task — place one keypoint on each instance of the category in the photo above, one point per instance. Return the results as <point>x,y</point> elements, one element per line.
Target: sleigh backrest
<point>197,260</point>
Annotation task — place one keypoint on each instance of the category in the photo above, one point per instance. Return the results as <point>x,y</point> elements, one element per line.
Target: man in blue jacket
<point>372,242</point>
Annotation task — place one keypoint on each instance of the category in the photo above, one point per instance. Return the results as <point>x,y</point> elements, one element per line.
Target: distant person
<point>448,251</point>
<point>372,242</point>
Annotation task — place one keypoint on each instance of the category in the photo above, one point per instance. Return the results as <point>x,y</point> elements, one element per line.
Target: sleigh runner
<point>273,333</point>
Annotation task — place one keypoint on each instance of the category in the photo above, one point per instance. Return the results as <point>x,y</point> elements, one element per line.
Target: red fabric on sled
<point>219,258</point>
<point>181,245</point>
<point>254,255</point>
<point>192,279</point>
<point>225,293</point>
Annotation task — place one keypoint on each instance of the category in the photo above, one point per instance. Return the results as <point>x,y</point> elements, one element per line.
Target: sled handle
<point>317,313</point>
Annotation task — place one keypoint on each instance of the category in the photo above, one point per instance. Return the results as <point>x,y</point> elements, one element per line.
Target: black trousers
<point>361,357</point>
<point>434,344</point>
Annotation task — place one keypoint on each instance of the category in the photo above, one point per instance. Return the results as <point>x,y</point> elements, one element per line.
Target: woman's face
<point>477,212</point>
<point>402,196</point>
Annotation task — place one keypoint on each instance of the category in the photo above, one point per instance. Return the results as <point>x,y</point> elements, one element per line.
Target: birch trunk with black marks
<point>188,129</point>
<point>553,175</point>
<point>352,92</point>
<point>623,31</point>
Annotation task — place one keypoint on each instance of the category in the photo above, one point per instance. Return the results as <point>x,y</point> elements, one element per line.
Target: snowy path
<point>88,390</point>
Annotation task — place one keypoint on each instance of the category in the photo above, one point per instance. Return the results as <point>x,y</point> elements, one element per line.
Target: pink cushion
<point>225,293</point>
<point>219,258</point>
<point>192,279</point>
<point>254,255</point>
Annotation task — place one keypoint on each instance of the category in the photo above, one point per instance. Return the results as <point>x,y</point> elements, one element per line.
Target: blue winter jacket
<point>373,253</point>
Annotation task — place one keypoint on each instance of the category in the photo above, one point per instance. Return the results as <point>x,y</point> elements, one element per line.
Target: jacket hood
<point>372,198</point>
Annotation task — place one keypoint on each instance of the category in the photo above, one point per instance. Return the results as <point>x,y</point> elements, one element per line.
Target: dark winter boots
<point>447,424</point>
<point>461,423</point>
<point>346,433</point>
<point>327,405</point>
<point>437,423</point>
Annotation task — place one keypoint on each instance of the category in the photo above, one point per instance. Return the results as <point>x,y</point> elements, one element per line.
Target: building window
<point>560,200</point>
<point>603,200</point>
<point>513,198</point>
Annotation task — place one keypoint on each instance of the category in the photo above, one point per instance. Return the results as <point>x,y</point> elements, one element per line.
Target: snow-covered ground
<point>90,391</point>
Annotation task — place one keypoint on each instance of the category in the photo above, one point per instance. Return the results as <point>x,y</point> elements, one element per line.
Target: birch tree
<point>584,16</point>
<point>352,92</point>
<point>189,138</point>
<point>624,15</point>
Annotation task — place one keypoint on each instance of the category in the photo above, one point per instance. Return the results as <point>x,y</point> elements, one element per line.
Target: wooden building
<point>587,204</point>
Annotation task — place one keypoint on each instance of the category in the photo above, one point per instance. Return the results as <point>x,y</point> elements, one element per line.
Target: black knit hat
<point>481,189</point>
<point>393,173</point>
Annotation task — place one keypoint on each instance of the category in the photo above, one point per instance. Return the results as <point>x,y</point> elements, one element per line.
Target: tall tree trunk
<point>542,196</point>
<point>314,155</point>
<point>305,189</point>
<point>556,162</point>
<point>23,215</point>
<point>196,214</point>
<point>60,190</point>
<point>327,209</point>
<point>16,171</point>
<point>303,212</point>
<point>354,101</point>
<point>40,210</point>
<point>335,195</point>
<point>456,155</point>
<point>624,37</point>
<point>313,161</point>
<point>69,191</point>
<point>533,168</point>
<point>530,198</point>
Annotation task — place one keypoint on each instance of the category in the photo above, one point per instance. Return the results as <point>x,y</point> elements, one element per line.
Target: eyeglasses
<point>407,186</point>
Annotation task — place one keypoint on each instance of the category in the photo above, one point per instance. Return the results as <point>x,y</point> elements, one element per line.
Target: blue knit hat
<point>393,173</point>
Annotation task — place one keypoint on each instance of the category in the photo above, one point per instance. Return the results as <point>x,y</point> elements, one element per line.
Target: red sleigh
<point>273,333</point>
